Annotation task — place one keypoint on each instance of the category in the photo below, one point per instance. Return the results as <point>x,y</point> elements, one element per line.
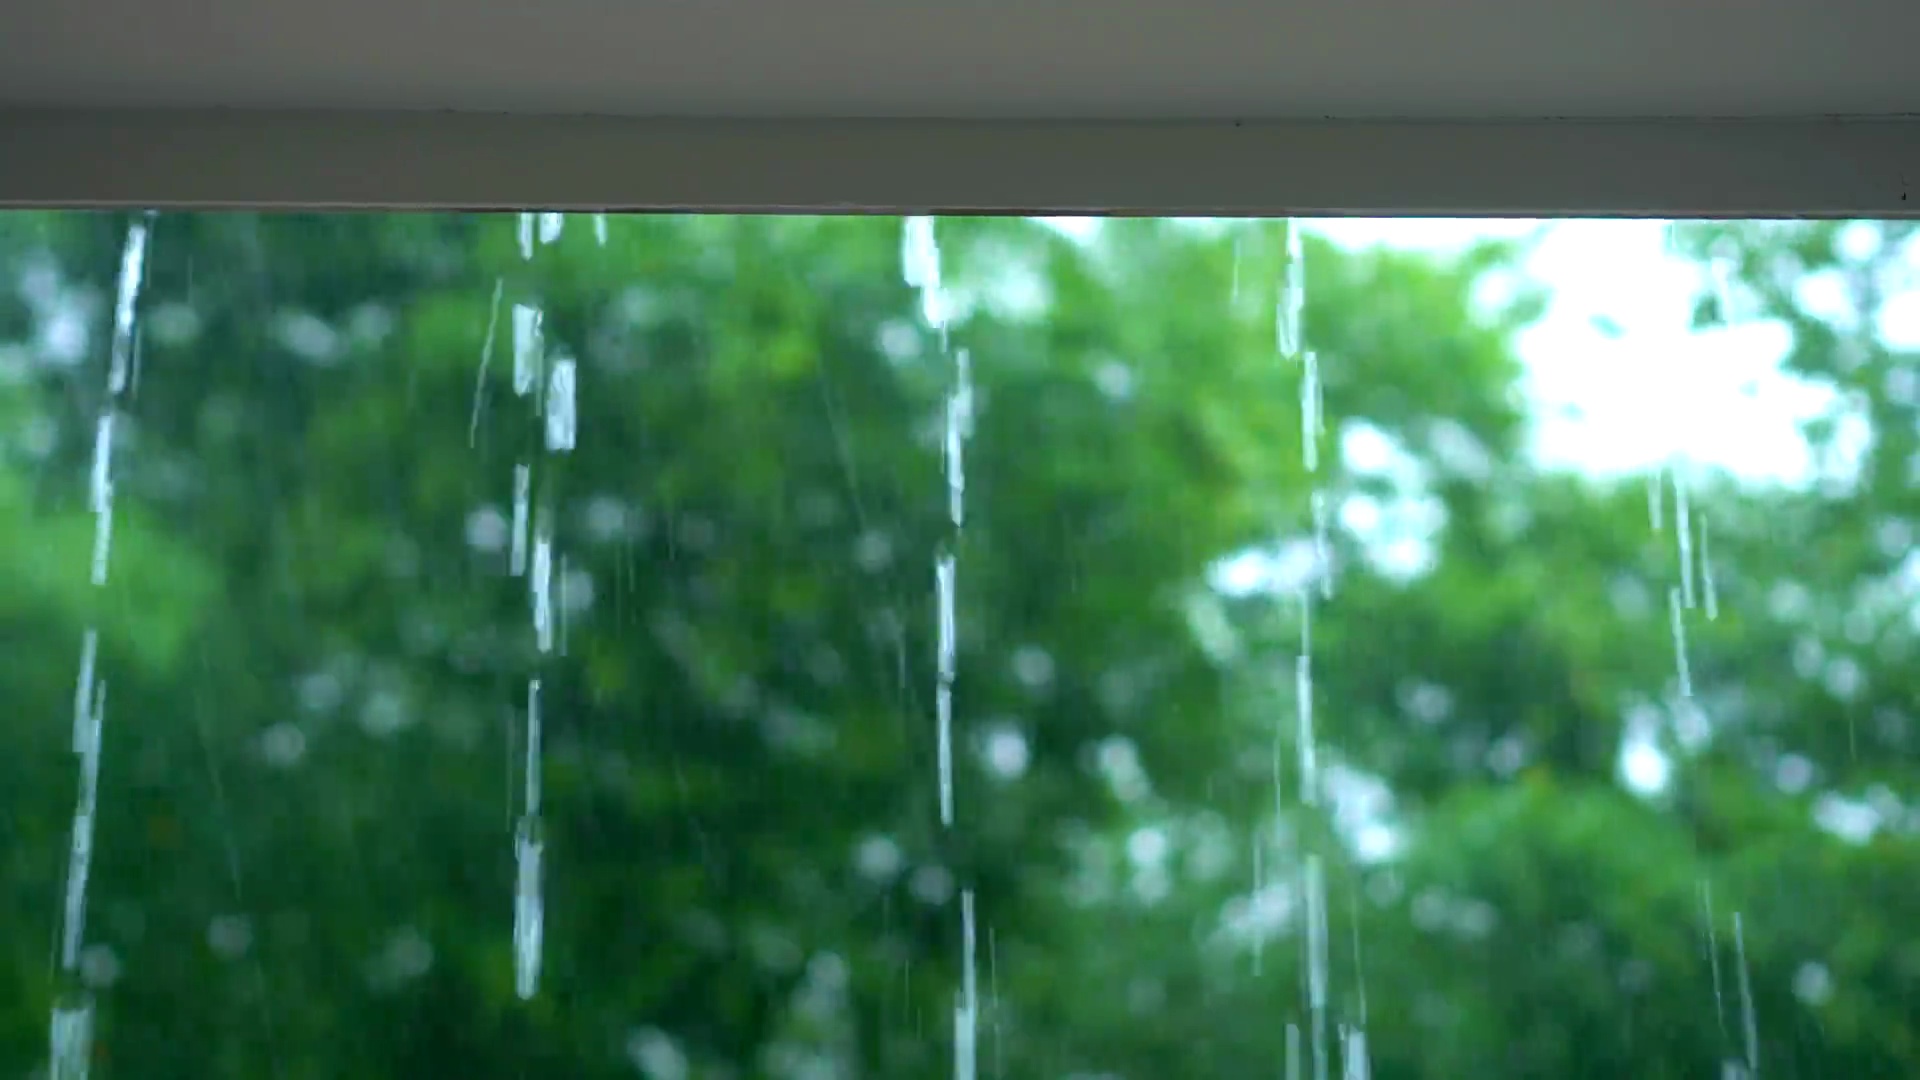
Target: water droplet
<point>70,1038</point>
<point>959,428</point>
<point>540,578</point>
<point>526,348</point>
<point>1310,421</point>
<point>102,543</point>
<point>1711,593</point>
<point>1683,536</point>
<point>534,733</point>
<point>522,508</point>
<point>1303,708</point>
<point>529,916</point>
<point>1293,295</point>
<point>133,261</point>
<point>1749,1028</point>
<point>967,1014</point>
<point>1676,619</point>
<point>1354,1055</point>
<point>83,730</point>
<point>561,407</point>
<point>526,235</point>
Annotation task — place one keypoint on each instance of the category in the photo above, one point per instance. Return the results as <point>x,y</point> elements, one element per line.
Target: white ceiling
<point>975,58</point>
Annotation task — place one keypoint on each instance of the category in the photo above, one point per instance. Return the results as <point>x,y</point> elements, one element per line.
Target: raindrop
<point>1710,593</point>
<point>943,708</point>
<point>1310,421</point>
<point>1747,1024</point>
<point>541,583</point>
<point>83,730</point>
<point>522,503</point>
<point>1683,535</point>
<point>1259,889</point>
<point>100,496</point>
<point>944,581</point>
<point>1354,1055</point>
<point>1293,294</point>
<point>100,480</point>
<point>528,914</point>
<point>1303,705</point>
<point>1654,499</point>
<point>133,259</point>
<point>533,747</point>
<point>80,851</point>
<point>1713,957</point>
<point>959,427</point>
<point>560,407</point>
<point>600,229</point>
<point>1322,547</point>
<point>966,1015</point>
<point>526,348</point>
<point>486,359</point>
<point>920,267</point>
<point>1676,619</point>
<point>1316,900</point>
<point>70,1038</point>
<point>550,226</point>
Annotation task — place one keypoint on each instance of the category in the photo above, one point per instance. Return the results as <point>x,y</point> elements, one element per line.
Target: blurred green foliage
<point>318,662</point>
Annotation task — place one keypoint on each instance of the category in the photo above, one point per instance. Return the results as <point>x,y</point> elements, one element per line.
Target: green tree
<point>319,656</point>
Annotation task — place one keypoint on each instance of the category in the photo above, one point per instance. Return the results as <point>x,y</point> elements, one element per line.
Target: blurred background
<point>1599,761</point>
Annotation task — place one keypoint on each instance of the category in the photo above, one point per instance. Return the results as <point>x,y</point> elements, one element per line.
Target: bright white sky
<point>1652,389</point>
<point>1619,380</point>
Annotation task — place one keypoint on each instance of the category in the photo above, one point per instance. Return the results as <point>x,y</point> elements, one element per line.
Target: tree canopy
<point>318,649</point>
